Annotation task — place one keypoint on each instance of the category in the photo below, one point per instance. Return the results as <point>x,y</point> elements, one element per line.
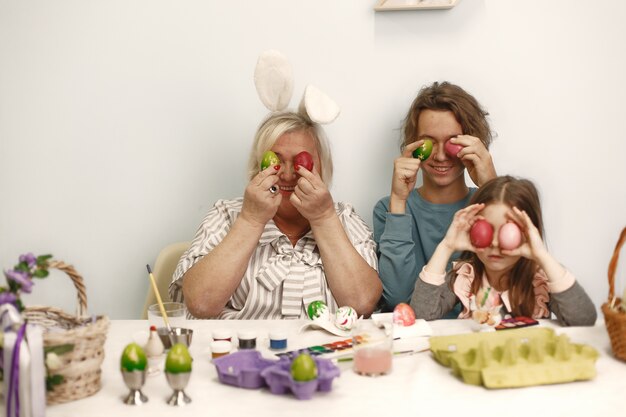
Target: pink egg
<point>481,233</point>
<point>452,149</point>
<point>509,236</point>
<point>403,315</point>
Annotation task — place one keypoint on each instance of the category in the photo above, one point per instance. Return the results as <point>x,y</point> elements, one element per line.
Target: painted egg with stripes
<point>318,310</point>
<point>345,318</point>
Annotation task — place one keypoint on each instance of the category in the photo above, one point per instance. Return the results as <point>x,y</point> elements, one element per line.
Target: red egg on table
<point>509,236</point>
<point>481,233</point>
<point>403,315</point>
<point>452,149</point>
<point>303,159</point>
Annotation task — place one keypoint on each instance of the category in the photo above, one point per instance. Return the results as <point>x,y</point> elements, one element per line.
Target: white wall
<point>121,122</point>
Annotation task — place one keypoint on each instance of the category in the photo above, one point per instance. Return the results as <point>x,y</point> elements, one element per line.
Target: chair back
<point>163,270</point>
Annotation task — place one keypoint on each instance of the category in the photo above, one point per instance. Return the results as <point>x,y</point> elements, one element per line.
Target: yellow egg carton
<point>515,358</point>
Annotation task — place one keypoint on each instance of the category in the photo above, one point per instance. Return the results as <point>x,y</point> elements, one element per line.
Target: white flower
<point>53,362</point>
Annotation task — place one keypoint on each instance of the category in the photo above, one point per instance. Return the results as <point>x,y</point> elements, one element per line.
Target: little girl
<point>526,281</point>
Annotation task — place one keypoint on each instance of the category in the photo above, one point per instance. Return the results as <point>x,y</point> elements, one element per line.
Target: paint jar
<point>220,348</point>
<point>278,340</point>
<point>247,339</point>
<point>222,334</point>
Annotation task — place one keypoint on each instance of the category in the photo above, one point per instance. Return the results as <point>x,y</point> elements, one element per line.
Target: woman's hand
<point>311,196</point>
<point>259,203</point>
<point>476,158</point>
<point>404,177</point>
<point>457,237</point>
<point>532,246</point>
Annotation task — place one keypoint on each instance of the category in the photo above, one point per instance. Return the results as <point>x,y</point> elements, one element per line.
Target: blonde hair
<point>279,123</point>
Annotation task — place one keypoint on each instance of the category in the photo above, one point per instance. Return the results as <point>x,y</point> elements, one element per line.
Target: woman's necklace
<point>296,235</point>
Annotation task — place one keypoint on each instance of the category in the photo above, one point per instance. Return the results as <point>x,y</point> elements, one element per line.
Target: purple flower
<point>7,297</point>
<point>21,278</point>
<point>29,258</point>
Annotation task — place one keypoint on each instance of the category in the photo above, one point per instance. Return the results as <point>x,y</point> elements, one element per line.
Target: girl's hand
<point>532,246</point>
<point>476,158</point>
<point>311,196</point>
<point>259,204</point>
<point>404,177</point>
<point>457,237</point>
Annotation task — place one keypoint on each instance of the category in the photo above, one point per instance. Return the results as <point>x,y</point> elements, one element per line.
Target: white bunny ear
<point>273,79</point>
<point>318,106</point>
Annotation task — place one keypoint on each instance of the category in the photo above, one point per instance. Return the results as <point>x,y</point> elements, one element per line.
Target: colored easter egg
<point>178,359</point>
<point>481,233</point>
<point>303,159</point>
<point>509,236</point>
<point>269,159</point>
<point>452,149</point>
<point>345,318</point>
<point>133,358</point>
<point>303,368</point>
<point>318,310</point>
<point>424,151</point>
<point>403,315</point>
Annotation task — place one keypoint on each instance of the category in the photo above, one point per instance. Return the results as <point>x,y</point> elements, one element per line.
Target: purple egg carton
<point>279,379</point>
<point>242,368</point>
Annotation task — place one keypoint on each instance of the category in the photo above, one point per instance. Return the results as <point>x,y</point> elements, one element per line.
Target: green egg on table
<point>269,159</point>
<point>303,368</point>
<point>424,151</point>
<point>133,358</point>
<point>178,359</point>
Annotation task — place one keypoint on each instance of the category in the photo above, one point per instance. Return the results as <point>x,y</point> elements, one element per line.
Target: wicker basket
<point>81,366</point>
<point>614,316</point>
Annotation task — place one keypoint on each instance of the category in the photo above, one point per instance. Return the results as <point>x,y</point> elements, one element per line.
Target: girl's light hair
<point>276,125</point>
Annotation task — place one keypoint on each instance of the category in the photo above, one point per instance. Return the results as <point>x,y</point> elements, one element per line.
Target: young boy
<point>410,223</point>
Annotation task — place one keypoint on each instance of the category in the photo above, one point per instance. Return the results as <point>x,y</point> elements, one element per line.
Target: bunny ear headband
<point>273,79</point>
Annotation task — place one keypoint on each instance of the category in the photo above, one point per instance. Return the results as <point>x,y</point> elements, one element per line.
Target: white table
<point>417,386</point>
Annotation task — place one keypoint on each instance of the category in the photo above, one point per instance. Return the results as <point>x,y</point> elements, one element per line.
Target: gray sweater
<point>572,307</point>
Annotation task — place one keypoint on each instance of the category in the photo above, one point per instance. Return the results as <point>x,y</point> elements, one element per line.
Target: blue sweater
<point>405,242</point>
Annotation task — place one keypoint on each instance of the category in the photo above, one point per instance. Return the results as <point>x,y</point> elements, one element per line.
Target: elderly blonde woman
<point>285,243</point>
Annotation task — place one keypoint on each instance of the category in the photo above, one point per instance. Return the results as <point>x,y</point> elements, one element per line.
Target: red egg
<point>403,315</point>
<point>509,236</point>
<point>303,159</point>
<point>452,149</point>
<point>481,233</point>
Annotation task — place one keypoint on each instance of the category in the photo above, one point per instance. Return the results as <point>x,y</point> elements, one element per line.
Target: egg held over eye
<point>303,159</point>
<point>481,233</point>
<point>423,152</point>
<point>509,236</point>
<point>269,159</point>
<point>452,149</point>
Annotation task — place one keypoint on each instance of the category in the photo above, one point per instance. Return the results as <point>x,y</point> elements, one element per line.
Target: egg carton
<point>242,368</point>
<point>248,369</point>
<point>517,358</point>
<point>280,381</point>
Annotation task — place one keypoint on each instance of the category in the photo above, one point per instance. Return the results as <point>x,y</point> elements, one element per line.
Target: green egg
<point>269,159</point>
<point>178,359</point>
<point>424,151</point>
<point>303,368</point>
<point>133,358</point>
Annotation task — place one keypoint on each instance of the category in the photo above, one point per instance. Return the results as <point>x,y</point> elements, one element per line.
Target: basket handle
<point>79,284</point>
<point>613,264</point>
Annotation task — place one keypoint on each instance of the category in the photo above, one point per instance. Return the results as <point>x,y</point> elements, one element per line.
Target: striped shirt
<point>281,279</point>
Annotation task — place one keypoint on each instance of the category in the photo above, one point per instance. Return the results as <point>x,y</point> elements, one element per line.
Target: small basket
<point>614,317</point>
<point>81,366</point>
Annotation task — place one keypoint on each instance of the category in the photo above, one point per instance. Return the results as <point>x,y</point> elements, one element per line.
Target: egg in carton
<point>515,358</point>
